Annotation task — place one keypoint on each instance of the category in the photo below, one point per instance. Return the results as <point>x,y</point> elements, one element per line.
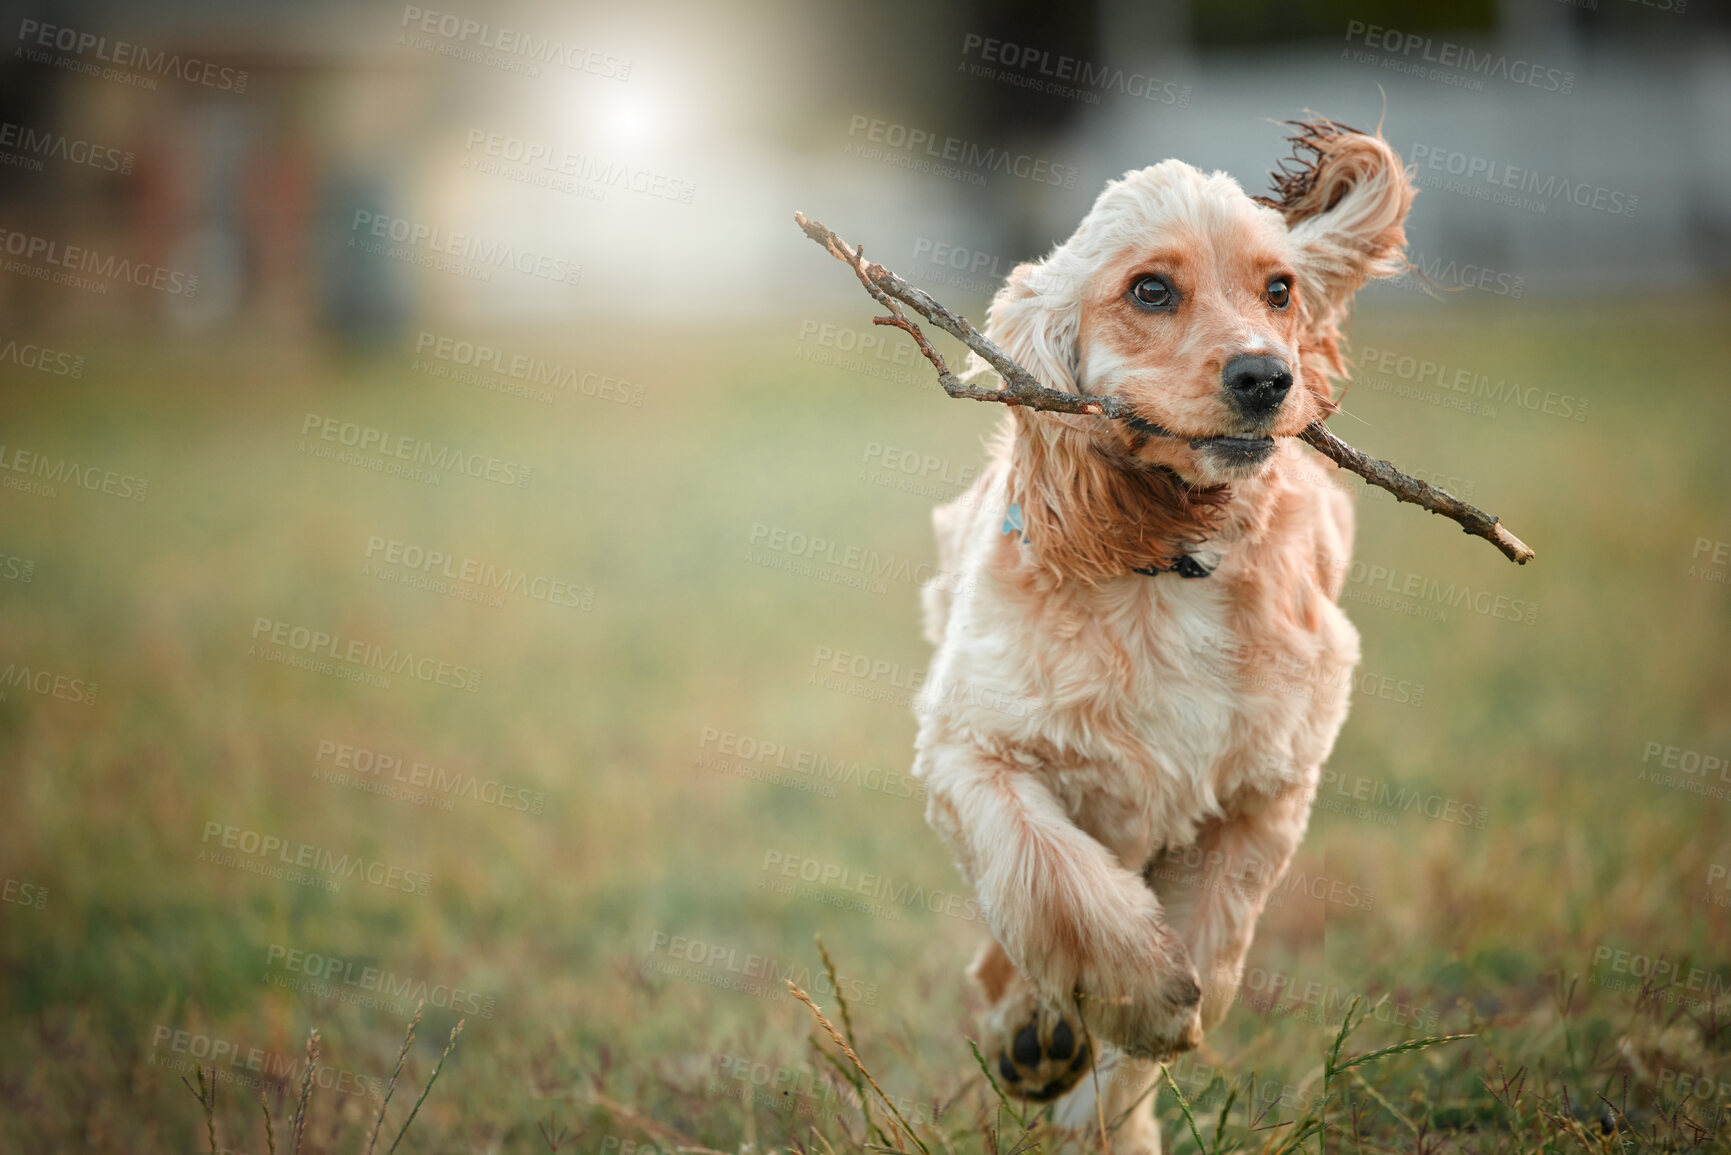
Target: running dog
<point>1157,586</point>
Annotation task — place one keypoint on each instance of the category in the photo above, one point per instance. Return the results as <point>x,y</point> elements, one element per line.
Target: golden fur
<point>1162,732</point>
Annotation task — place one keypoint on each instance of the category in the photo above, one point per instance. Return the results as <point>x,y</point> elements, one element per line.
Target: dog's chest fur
<point>1149,704</point>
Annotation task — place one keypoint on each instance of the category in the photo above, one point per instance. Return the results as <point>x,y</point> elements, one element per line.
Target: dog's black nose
<point>1257,384</point>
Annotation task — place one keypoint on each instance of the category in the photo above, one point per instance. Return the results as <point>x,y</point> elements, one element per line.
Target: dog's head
<point>1214,314</point>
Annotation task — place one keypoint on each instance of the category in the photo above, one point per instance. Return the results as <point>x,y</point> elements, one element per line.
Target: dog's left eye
<point>1279,293</point>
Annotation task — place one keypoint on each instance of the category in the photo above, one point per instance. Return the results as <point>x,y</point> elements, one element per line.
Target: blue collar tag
<point>1013,520</point>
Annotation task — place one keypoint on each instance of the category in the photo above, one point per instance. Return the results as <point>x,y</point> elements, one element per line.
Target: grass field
<point>612,844</point>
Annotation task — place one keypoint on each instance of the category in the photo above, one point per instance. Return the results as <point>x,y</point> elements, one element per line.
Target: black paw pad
<point>1046,1057</point>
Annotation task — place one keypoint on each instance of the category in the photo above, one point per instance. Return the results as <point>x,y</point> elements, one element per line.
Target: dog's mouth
<point>1224,452</point>
<point>1234,451</point>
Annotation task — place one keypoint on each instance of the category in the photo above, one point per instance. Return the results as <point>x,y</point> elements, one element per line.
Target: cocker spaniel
<point>1156,586</point>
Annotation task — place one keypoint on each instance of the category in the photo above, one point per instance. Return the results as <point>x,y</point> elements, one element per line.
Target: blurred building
<point>1580,146</point>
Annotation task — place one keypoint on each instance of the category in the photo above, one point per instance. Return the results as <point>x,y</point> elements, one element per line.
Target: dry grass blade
<point>269,1131</point>
<point>402,1056</point>
<point>1400,1049</point>
<point>1386,1105</point>
<point>852,1079</point>
<point>635,1118</point>
<point>1183,1108</point>
<point>306,1089</point>
<point>1225,1114</point>
<point>206,1096</point>
<point>431,1079</point>
<point>999,1091</point>
<point>835,985</point>
<point>848,1050</point>
<point>1094,1073</point>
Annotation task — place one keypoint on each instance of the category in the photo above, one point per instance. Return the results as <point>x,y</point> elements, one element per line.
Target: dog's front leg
<point>1246,856</point>
<point>1071,917</point>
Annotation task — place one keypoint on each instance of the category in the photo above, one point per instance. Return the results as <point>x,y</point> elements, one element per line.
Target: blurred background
<point>434,474</point>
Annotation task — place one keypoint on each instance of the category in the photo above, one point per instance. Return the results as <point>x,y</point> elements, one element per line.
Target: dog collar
<point>1186,566</point>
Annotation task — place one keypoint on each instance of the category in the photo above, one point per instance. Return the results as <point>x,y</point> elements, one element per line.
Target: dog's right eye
<point>1153,293</point>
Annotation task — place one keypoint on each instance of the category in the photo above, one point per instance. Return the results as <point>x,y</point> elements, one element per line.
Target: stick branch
<point>1420,493</point>
<point>1022,388</point>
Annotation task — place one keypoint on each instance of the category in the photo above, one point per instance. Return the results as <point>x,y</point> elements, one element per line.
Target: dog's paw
<point>1145,999</point>
<point>1163,1020</point>
<point>1036,1051</point>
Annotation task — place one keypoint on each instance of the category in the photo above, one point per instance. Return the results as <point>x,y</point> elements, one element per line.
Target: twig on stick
<point>1022,388</point>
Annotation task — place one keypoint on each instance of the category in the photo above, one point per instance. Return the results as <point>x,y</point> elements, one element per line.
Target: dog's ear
<point>1084,514</point>
<point>1089,514</point>
<point>1345,195</point>
<point>1036,320</point>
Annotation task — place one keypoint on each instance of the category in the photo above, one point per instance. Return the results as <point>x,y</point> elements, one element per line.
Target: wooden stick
<point>1420,493</point>
<point>1022,388</point>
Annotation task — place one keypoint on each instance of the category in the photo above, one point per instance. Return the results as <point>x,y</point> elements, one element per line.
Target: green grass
<point>545,921</point>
